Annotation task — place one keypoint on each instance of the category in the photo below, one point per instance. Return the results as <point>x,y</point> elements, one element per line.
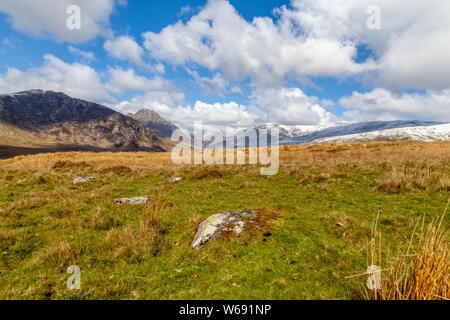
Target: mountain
<point>47,120</point>
<point>353,132</point>
<point>154,121</point>
<point>361,131</point>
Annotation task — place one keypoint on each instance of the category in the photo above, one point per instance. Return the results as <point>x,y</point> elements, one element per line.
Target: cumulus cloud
<point>48,18</point>
<point>74,79</point>
<point>218,38</point>
<point>381,104</point>
<point>121,80</point>
<point>125,48</point>
<point>291,106</point>
<point>314,38</point>
<point>410,48</point>
<point>215,85</point>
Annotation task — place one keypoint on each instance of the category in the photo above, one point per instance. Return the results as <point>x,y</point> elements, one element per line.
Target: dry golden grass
<point>421,271</point>
<point>290,156</point>
<point>60,255</point>
<point>404,177</point>
<point>143,240</point>
<point>206,173</point>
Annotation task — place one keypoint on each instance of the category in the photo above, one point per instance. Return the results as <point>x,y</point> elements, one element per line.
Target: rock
<point>173,179</point>
<point>82,180</point>
<point>218,225</point>
<point>132,201</point>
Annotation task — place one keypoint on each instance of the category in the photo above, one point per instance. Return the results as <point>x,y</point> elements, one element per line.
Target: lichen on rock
<point>218,225</point>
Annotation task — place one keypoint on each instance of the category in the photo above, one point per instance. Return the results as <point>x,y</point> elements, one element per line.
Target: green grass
<point>48,224</point>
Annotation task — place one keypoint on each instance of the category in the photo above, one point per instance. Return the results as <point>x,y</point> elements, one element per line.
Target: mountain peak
<point>153,120</point>
<point>33,92</point>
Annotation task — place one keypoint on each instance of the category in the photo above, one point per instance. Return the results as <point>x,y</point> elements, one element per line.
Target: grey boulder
<point>132,201</point>
<point>82,180</point>
<point>174,179</point>
<point>220,224</point>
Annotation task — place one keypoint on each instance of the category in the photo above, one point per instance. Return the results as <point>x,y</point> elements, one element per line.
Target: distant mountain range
<point>52,121</point>
<point>361,131</point>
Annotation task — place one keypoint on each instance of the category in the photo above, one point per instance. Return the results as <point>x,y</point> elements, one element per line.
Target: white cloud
<point>125,48</point>
<point>47,18</point>
<point>185,10</point>
<point>381,104</point>
<point>411,48</point>
<point>218,38</point>
<point>86,56</point>
<point>291,106</point>
<point>75,79</point>
<point>121,80</point>
<point>216,85</point>
<point>314,38</point>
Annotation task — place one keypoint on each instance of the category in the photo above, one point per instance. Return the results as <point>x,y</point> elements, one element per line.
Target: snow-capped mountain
<point>361,131</point>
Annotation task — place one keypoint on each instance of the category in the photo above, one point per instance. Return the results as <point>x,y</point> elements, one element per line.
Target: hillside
<point>48,120</point>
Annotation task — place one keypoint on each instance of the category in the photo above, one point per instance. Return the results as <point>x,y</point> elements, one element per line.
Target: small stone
<point>132,201</point>
<point>173,179</point>
<point>219,224</point>
<point>82,180</point>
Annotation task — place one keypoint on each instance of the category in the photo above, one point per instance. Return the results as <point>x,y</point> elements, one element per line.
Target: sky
<point>235,63</point>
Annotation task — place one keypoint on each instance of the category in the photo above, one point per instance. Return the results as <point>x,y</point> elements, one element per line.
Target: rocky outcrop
<point>82,180</point>
<point>132,201</point>
<point>219,225</point>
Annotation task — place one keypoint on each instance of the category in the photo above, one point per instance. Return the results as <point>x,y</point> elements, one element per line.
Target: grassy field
<point>326,198</point>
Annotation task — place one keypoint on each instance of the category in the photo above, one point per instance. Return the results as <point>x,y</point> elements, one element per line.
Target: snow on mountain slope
<point>425,134</point>
<point>361,131</point>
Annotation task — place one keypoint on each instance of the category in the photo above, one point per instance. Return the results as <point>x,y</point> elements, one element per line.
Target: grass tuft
<point>419,272</point>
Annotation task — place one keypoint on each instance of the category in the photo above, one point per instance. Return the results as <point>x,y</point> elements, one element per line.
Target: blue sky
<point>236,63</point>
